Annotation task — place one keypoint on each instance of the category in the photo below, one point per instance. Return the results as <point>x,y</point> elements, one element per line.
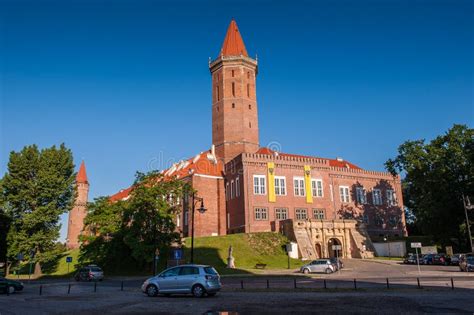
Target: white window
<point>281,213</point>
<point>377,196</point>
<point>178,221</point>
<point>228,220</point>
<point>317,187</point>
<point>261,214</point>
<point>361,195</point>
<point>301,214</point>
<point>344,193</point>
<point>299,186</point>
<point>319,214</point>
<point>391,200</point>
<point>232,189</point>
<point>186,218</point>
<point>280,185</point>
<point>237,187</point>
<point>259,182</point>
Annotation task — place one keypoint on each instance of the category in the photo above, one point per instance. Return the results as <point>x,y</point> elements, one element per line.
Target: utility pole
<point>467,206</point>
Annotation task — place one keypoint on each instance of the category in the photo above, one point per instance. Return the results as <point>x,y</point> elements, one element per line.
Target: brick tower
<point>234,100</point>
<point>78,213</point>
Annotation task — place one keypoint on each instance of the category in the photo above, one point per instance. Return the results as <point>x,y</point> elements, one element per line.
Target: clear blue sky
<point>125,84</point>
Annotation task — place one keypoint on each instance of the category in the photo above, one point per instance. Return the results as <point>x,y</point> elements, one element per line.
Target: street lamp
<point>388,243</point>
<point>201,209</point>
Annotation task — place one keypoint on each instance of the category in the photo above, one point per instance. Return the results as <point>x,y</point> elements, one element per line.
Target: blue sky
<point>126,85</point>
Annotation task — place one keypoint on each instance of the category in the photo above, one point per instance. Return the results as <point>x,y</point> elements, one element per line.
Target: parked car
<point>442,259</point>
<point>10,286</point>
<point>411,259</point>
<point>197,280</point>
<point>319,265</point>
<point>89,273</point>
<point>466,262</point>
<point>455,259</point>
<point>337,263</point>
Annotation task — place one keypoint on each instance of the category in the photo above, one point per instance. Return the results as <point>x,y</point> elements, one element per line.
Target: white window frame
<point>186,218</point>
<point>317,187</point>
<point>299,187</point>
<point>344,194</point>
<point>305,212</point>
<point>319,211</point>
<point>178,221</point>
<point>361,195</point>
<point>232,189</point>
<point>260,214</point>
<point>237,186</point>
<point>281,210</point>
<point>259,186</point>
<point>390,196</point>
<point>377,201</point>
<point>280,190</point>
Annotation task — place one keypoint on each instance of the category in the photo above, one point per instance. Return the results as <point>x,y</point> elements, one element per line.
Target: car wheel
<point>305,271</point>
<point>328,271</point>
<point>198,291</point>
<point>151,290</point>
<point>76,278</point>
<point>11,290</point>
<point>211,294</point>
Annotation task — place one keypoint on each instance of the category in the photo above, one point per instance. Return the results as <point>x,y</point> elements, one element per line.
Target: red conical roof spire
<point>81,175</point>
<point>233,44</point>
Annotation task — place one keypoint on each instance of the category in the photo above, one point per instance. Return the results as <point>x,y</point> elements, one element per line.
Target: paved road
<point>376,302</point>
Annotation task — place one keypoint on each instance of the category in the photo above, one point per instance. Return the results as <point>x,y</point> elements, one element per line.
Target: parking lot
<point>277,291</point>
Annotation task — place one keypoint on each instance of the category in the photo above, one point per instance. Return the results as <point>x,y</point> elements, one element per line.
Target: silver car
<point>319,265</point>
<point>195,279</point>
<point>89,273</point>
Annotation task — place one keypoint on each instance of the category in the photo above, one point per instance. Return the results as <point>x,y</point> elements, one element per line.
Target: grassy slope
<point>248,250</point>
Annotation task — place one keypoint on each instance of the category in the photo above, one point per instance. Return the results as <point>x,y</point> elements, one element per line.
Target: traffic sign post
<point>416,246</point>
<point>337,248</point>
<point>68,261</point>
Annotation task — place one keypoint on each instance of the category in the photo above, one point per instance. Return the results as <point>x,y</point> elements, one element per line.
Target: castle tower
<point>78,213</point>
<point>234,99</point>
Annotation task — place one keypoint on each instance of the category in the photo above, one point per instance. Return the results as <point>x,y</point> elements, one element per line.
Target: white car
<point>197,280</point>
<point>319,265</point>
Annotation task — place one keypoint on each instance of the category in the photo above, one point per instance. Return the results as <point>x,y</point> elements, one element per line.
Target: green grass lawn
<point>248,250</point>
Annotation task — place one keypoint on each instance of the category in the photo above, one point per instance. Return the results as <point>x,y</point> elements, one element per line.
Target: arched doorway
<point>334,248</point>
<point>319,252</point>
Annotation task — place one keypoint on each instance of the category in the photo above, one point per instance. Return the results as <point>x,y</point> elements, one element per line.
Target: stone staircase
<point>360,237</point>
<point>305,246</point>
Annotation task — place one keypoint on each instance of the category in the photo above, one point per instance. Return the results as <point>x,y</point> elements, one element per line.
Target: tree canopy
<point>437,175</point>
<point>133,229</point>
<point>37,188</point>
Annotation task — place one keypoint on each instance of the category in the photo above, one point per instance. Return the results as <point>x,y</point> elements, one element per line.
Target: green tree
<point>437,175</point>
<point>133,229</point>
<point>37,188</point>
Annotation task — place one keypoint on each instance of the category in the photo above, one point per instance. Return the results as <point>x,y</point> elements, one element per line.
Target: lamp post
<point>201,209</point>
<point>467,206</point>
<point>388,244</point>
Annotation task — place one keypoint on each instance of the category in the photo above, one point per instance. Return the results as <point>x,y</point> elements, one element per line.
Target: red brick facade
<point>237,178</point>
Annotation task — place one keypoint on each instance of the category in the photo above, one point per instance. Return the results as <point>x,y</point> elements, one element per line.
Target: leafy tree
<point>438,174</point>
<point>37,188</point>
<point>4,227</point>
<point>133,229</point>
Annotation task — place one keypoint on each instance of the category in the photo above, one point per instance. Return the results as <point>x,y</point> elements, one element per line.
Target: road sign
<point>69,259</point>
<point>336,247</point>
<point>178,254</point>
<point>415,245</point>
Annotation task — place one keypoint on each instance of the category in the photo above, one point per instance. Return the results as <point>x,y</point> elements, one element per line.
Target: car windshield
<point>96,269</point>
<point>210,270</point>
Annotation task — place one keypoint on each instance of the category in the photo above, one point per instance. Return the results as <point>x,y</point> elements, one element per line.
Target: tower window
<point>233,89</point>
<point>217,108</point>
<point>217,93</point>
<point>232,73</point>
<point>250,124</point>
<point>248,90</point>
<point>250,106</point>
<point>233,105</point>
<point>248,74</point>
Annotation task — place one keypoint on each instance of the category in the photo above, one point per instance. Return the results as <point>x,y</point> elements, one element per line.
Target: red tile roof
<point>332,162</point>
<point>81,175</point>
<point>233,43</point>
<point>203,163</point>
